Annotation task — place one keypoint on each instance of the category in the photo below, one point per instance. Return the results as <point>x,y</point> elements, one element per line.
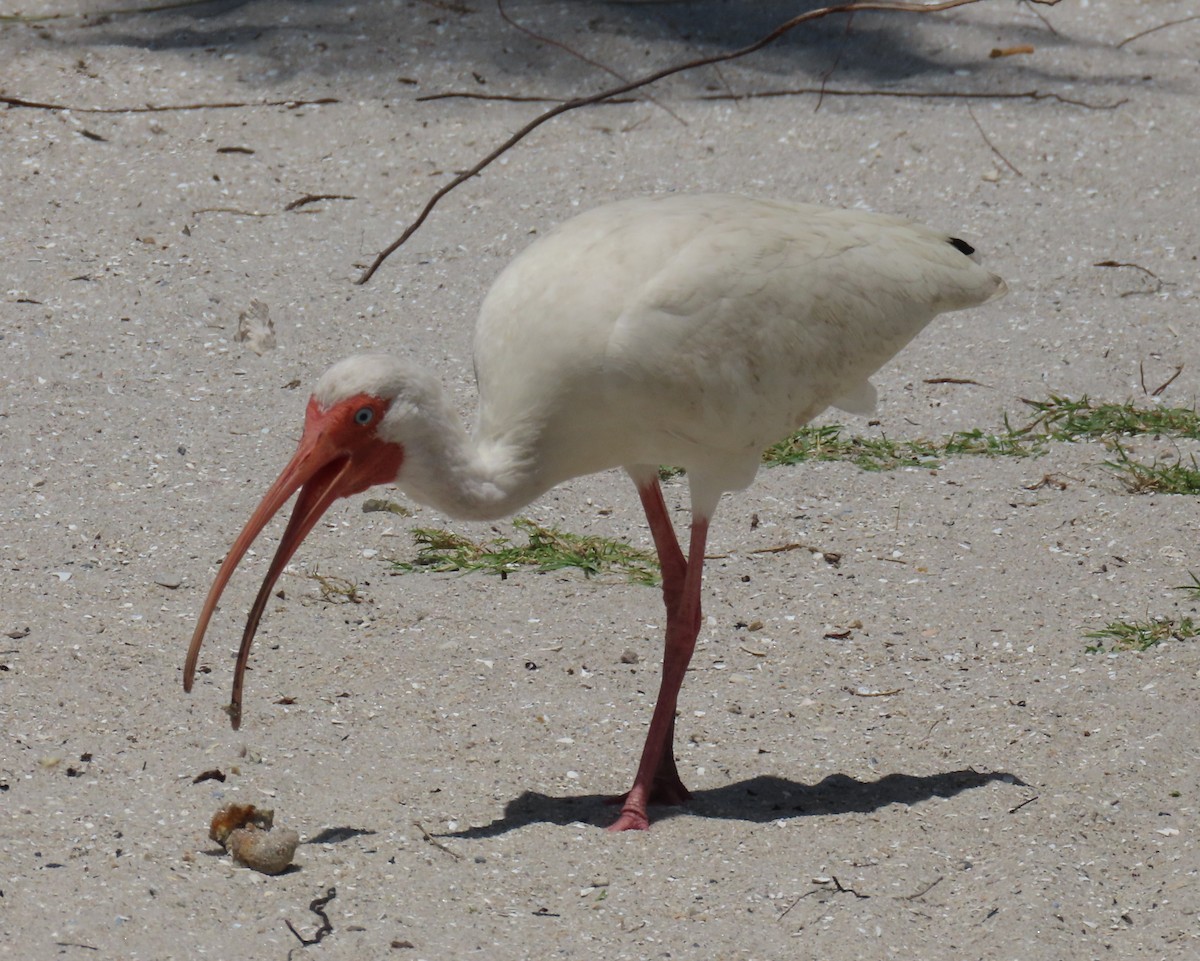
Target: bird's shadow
<point>337,835</point>
<point>759,799</point>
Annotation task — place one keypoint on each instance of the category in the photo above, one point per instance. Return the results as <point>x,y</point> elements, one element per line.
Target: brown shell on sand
<point>267,851</point>
<point>248,833</point>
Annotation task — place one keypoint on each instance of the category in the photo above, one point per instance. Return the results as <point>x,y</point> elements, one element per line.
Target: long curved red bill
<point>323,470</point>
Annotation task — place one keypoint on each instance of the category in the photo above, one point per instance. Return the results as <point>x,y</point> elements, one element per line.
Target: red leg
<point>657,779</point>
<point>670,557</point>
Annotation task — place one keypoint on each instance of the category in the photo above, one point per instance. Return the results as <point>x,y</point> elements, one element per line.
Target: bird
<point>691,330</point>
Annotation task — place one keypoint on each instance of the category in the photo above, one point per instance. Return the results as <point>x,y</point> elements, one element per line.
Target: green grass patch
<point>1058,418</point>
<point>1141,635</point>
<point>544,549</point>
<point>1062,418</point>
<point>828,443</point>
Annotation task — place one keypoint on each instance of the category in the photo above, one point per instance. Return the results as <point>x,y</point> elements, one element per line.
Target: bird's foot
<point>630,820</point>
<point>664,790</point>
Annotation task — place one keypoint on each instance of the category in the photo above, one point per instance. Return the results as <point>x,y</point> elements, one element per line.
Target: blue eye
<point>364,416</point>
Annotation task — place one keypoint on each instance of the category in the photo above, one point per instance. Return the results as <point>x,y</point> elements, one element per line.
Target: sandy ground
<point>1014,797</point>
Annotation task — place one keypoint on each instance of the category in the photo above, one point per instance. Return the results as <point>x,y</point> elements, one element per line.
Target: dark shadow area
<point>337,835</point>
<point>873,45</point>
<point>314,39</point>
<point>758,800</point>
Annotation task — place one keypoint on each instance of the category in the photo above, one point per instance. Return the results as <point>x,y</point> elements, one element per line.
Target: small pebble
<point>169,581</point>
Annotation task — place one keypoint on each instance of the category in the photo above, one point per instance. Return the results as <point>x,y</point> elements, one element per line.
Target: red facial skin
<point>340,454</point>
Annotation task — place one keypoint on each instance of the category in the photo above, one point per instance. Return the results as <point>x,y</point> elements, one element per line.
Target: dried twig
<point>782,548</point>
<point>435,842</point>
<point>954,380</point>
<point>1159,283</point>
<point>229,210</point>
<point>842,889</point>
<point>895,6</point>
<point>833,66</point>
<point>313,198</point>
<point>1161,26</point>
<point>166,108</point>
<point>1033,95</point>
<point>1167,383</point>
<point>797,901</point>
<point>550,41</point>
<point>1041,16</point>
<point>317,907</point>
<point>987,140</point>
<point>920,95</point>
<point>1023,803</point>
<point>510,97</point>
<point>923,891</point>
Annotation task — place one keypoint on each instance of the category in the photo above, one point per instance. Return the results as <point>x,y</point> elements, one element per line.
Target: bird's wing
<point>753,327</point>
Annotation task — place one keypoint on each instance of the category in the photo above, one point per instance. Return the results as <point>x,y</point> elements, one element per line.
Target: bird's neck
<point>466,477</point>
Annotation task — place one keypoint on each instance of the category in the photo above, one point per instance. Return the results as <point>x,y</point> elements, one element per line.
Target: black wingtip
<point>962,246</point>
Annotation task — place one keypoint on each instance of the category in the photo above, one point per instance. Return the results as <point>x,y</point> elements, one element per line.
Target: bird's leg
<point>667,788</point>
<point>657,779</point>
<point>670,556</point>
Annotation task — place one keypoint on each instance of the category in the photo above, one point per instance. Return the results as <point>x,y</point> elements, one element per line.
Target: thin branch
<point>1159,283</point>
<point>313,198</point>
<point>1167,383</point>
<point>164,108</point>
<point>435,842</point>
<point>923,891</point>
<point>955,380</point>
<point>895,6</point>
<point>797,901</point>
<point>550,41</point>
<point>836,60</point>
<point>230,210</point>
<point>685,39</point>
<point>317,907</point>
<point>915,94</point>
<point>996,150</point>
<point>842,889</point>
<point>1034,95</point>
<point>1041,16</point>
<point>1161,26</point>
<point>510,97</point>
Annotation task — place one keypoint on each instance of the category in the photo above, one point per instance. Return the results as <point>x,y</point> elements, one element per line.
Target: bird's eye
<point>364,416</point>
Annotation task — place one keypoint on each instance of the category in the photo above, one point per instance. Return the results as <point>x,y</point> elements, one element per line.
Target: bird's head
<point>350,443</point>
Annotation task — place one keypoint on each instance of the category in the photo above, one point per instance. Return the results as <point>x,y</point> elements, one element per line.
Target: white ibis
<point>684,330</point>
